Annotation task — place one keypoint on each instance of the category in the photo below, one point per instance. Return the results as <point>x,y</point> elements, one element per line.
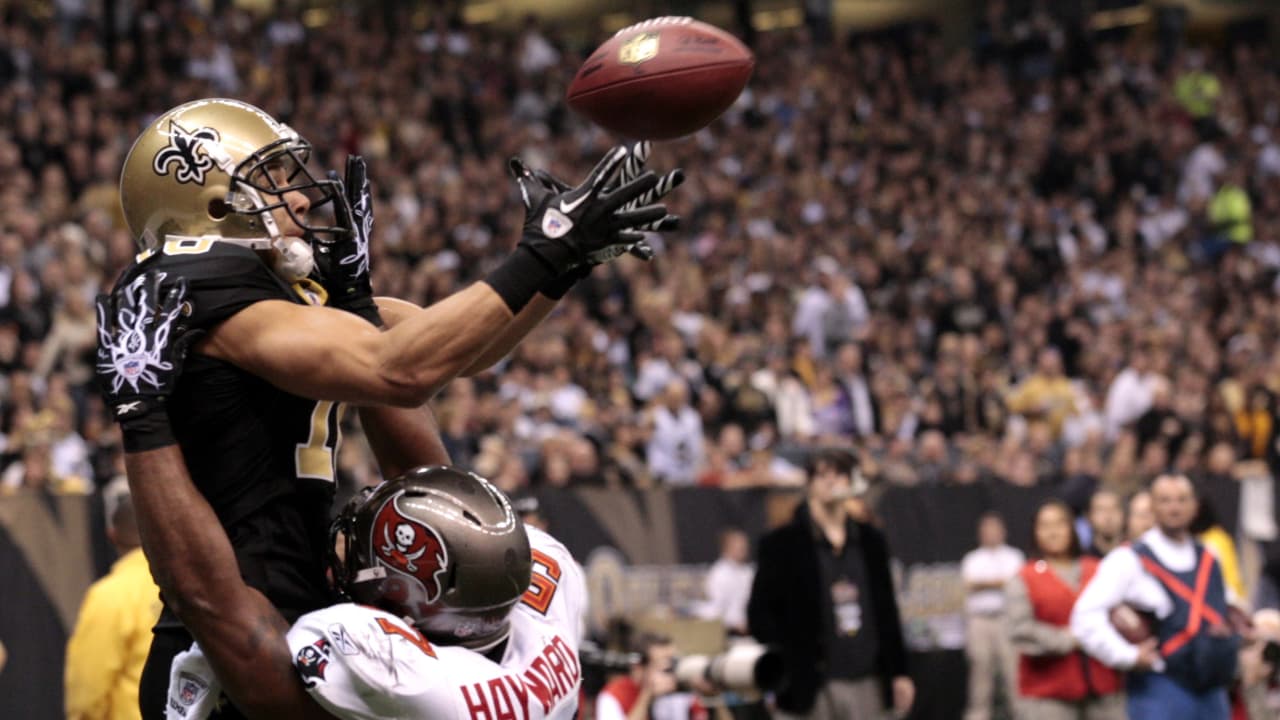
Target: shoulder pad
<point>222,278</point>
<point>216,261</point>
<point>342,651</point>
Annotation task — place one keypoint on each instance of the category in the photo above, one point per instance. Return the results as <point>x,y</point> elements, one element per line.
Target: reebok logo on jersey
<point>342,640</point>
<point>126,408</point>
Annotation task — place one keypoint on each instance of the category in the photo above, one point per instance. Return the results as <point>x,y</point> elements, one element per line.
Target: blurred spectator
<point>1138,518</point>
<point>863,410</point>
<point>1230,212</point>
<point>112,636</point>
<point>528,508</point>
<point>1105,516</point>
<point>1197,89</point>
<point>831,311</point>
<point>675,450</point>
<point>992,661</point>
<point>34,470</point>
<point>833,612</point>
<point>1255,423</point>
<point>1258,664</point>
<point>1131,393</point>
<point>1209,531</point>
<point>728,583</point>
<point>1046,394</point>
<point>1055,678</point>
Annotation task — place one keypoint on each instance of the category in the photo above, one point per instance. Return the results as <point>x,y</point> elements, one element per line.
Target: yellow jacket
<point>109,646</point>
<point>1048,398</point>
<point>1224,548</point>
<point>1230,212</point>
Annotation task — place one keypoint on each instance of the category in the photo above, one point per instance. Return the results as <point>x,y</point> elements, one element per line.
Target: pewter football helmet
<point>440,546</point>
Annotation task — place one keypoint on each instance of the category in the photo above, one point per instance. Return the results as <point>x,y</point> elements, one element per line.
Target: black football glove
<point>632,243</point>
<point>343,265</point>
<point>632,168</point>
<point>142,342</point>
<point>563,227</point>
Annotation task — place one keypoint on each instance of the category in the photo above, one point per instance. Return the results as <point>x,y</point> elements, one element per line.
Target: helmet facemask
<point>260,185</point>
<point>281,168</point>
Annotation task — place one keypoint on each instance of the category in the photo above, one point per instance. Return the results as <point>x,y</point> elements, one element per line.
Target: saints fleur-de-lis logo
<point>185,151</point>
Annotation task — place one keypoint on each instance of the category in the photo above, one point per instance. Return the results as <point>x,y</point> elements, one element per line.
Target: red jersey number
<point>542,587</point>
<point>410,634</point>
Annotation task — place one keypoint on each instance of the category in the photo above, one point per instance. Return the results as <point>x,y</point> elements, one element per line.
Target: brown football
<point>661,79</point>
<point>1133,624</point>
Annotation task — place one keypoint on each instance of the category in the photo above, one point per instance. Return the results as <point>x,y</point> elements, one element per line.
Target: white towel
<point>1257,508</point>
<point>193,688</point>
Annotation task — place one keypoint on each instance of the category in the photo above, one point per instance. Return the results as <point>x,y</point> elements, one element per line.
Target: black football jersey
<point>264,458</point>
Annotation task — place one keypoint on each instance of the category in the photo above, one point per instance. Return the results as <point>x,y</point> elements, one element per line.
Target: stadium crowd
<point>1048,258</point>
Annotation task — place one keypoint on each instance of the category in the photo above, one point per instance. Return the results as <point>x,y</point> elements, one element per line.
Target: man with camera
<point>823,594</point>
<point>650,689</point>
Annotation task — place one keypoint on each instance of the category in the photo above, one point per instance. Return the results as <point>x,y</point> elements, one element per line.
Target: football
<point>1133,625</point>
<point>661,79</point>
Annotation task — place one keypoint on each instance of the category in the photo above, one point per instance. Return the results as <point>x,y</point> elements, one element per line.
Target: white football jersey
<point>361,663</point>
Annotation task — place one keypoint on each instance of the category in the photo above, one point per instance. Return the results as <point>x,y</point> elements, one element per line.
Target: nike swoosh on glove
<point>563,227</point>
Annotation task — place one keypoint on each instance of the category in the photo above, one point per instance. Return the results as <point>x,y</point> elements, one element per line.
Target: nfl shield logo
<point>190,689</point>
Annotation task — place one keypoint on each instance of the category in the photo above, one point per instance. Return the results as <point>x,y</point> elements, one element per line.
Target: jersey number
<point>315,457</point>
<point>413,636</point>
<point>542,587</point>
<point>184,246</point>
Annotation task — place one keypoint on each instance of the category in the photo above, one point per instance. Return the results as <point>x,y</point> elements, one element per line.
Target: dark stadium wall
<point>46,564</point>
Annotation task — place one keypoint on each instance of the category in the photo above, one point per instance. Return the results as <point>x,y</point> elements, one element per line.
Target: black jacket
<point>786,607</point>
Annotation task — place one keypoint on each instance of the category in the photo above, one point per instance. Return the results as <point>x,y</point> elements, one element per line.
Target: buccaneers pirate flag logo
<point>410,546</point>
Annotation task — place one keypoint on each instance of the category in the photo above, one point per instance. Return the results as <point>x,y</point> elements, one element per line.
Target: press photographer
<point>651,681</point>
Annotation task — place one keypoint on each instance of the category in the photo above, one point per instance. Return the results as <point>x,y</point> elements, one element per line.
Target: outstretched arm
<point>324,353</point>
<point>401,438</point>
<point>241,634</point>
<point>520,326</point>
<point>329,354</point>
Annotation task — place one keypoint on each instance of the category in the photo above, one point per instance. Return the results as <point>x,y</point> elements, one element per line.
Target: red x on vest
<point>1199,610</point>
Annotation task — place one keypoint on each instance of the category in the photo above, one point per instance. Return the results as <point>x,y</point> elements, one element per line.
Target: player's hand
<point>343,265</point>
<point>563,227</point>
<point>904,695</point>
<point>1148,655</point>
<point>661,681</point>
<point>632,168</point>
<point>142,342</point>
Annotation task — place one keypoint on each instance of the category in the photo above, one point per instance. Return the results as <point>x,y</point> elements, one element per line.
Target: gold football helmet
<point>215,169</point>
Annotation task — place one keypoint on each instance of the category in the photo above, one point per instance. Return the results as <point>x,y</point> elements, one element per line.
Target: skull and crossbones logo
<point>403,541</point>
